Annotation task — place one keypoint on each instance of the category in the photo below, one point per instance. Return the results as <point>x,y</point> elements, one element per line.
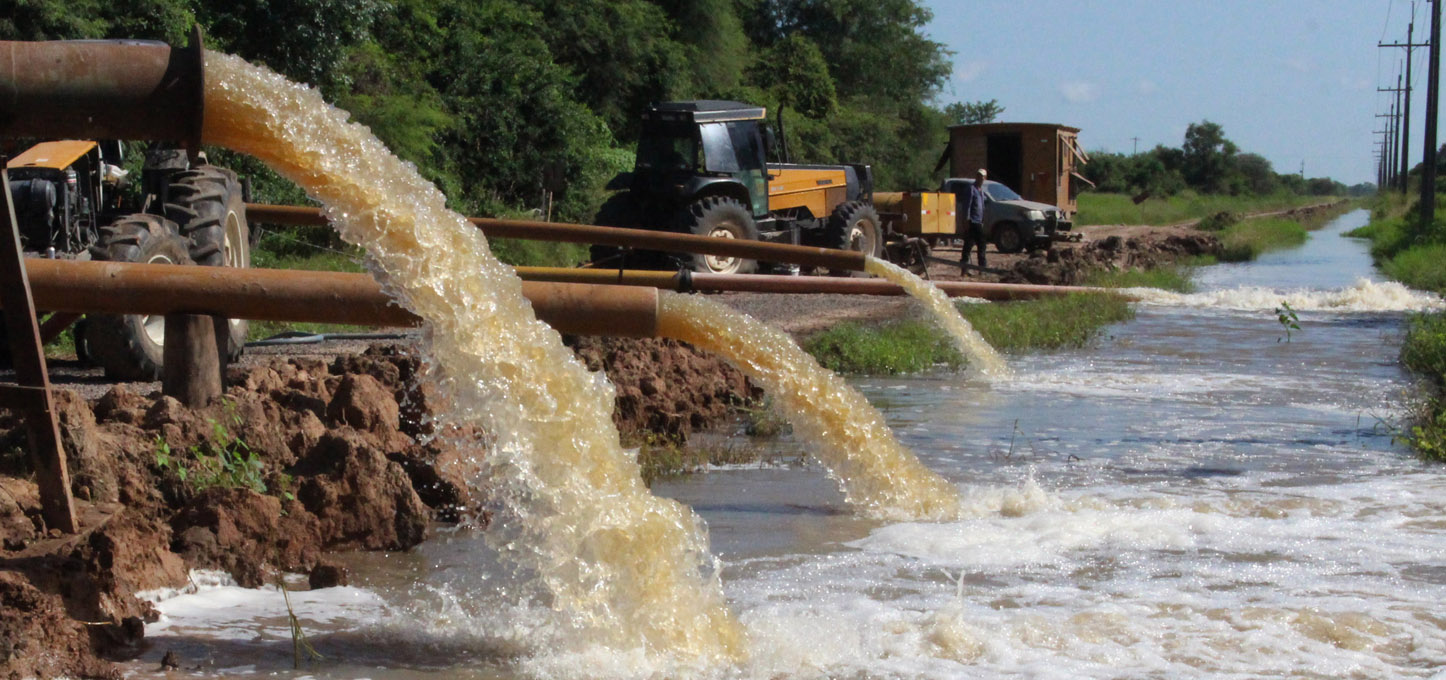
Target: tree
<point>876,49</point>
<point>797,77</point>
<point>973,113</point>
<point>1208,158</point>
<point>1257,173</point>
<point>304,40</point>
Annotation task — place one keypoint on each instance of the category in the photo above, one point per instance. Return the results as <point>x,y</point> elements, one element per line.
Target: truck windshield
<point>999,192</point>
<point>668,147</point>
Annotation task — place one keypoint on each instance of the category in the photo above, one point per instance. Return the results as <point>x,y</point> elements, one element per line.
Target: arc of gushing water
<point>878,475</point>
<point>982,357</point>
<point>620,567</point>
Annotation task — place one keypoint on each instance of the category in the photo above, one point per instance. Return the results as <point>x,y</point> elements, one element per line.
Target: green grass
<point>521,253</point>
<point>1424,352</point>
<point>1047,323</point>
<point>914,346</point>
<point>1098,208</point>
<point>883,349</point>
<point>1178,277</point>
<point>1244,241</point>
<point>1422,267</point>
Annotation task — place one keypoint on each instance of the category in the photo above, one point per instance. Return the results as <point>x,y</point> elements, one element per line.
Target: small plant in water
<point>300,646</point>
<point>1287,318</point>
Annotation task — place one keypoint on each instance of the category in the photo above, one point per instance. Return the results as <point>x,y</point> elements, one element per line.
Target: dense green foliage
<point>913,346</point>
<point>1424,352</point>
<point>507,102</point>
<point>1207,163</point>
<point>1413,252</point>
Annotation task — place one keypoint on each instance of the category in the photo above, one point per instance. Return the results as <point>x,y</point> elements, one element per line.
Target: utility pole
<point>1410,45</point>
<point>1392,128</point>
<point>1428,157</point>
<point>1136,149</point>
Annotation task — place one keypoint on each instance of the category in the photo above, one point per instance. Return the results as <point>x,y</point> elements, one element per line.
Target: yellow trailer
<point>929,215</point>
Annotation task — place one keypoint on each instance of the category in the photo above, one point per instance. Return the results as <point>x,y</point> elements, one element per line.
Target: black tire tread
<point>699,217</point>
<point>115,342</point>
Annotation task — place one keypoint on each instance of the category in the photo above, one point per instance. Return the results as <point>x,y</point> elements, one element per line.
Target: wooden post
<point>32,395</point>
<point>192,363</point>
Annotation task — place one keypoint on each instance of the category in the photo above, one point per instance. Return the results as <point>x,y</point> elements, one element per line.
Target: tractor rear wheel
<point>721,218</point>
<point>206,202</point>
<point>131,346</point>
<point>855,226</point>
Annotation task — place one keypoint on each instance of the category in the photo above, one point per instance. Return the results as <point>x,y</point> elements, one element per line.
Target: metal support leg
<point>28,356</point>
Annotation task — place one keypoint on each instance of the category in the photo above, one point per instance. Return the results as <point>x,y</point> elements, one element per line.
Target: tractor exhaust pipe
<point>103,89</point>
<point>321,297</point>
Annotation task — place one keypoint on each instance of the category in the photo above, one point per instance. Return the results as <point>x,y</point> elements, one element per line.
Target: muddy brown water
<point>1194,496</point>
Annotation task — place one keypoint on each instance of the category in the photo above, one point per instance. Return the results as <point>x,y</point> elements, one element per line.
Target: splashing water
<point>618,567</point>
<point>971,344</point>
<point>1363,296</point>
<point>880,476</point>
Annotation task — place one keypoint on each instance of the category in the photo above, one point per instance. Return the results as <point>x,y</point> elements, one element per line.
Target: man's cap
<point>983,172</point>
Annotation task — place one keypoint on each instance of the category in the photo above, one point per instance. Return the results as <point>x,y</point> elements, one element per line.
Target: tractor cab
<point>63,191</point>
<point>702,145</point>
<point>702,168</point>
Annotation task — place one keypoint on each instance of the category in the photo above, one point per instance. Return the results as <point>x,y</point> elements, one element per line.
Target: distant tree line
<point>1207,163</point>
<point>502,100</point>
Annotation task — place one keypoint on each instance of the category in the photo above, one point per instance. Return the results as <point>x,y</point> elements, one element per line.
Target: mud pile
<point>665,387</point>
<point>1070,266</point>
<point>301,457</point>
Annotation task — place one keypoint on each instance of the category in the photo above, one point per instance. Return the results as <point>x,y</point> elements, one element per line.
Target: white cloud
<point>1301,64</point>
<point>1079,91</point>
<point>967,72</point>
<point>1147,86</point>
<point>1354,82</point>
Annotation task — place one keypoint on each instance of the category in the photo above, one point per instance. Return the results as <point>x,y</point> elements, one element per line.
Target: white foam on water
<point>1203,585</point>
<point>1364,296</point>
<point>215,607</point>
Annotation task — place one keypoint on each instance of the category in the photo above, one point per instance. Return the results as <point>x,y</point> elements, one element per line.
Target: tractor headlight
<point>1034,215</point>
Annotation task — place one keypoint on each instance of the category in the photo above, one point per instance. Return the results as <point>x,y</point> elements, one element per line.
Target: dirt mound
<point>302,456</point>
<point>665,387</point>
<point>1070,266</point>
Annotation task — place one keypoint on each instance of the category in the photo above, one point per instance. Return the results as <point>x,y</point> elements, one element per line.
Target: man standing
<point>973,214</point>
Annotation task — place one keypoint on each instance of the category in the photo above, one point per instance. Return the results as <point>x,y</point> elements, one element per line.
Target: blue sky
<point>1292,80</point>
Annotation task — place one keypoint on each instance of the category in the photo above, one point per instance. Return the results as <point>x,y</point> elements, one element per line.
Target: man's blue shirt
<point>976,205</point>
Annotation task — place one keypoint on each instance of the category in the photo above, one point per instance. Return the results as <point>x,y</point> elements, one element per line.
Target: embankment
<point>300,458</point>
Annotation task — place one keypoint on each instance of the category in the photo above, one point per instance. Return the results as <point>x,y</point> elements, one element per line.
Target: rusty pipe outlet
<point>321,297</point>
<point>103,89</point>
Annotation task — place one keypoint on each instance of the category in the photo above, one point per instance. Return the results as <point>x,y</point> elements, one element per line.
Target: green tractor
<point>702,169</point>
<point>71,202</point>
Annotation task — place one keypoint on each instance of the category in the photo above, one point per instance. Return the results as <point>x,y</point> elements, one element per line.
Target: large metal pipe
<point>755,283</point>
<point>322,297</point>
<point>103,89</point>
<point>828,258</point>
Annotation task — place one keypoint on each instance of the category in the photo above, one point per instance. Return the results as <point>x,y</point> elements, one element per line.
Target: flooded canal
<point>1194,496</point>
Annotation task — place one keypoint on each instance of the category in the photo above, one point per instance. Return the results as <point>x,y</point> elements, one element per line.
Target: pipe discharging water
<point>982,357</point>
<point>878,475</point>
<point>618,567</point>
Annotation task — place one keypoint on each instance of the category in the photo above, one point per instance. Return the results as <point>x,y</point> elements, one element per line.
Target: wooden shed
<point>1040,161</point>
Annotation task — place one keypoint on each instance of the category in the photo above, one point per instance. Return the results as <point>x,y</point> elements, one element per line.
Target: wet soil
<point>305,456</point>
